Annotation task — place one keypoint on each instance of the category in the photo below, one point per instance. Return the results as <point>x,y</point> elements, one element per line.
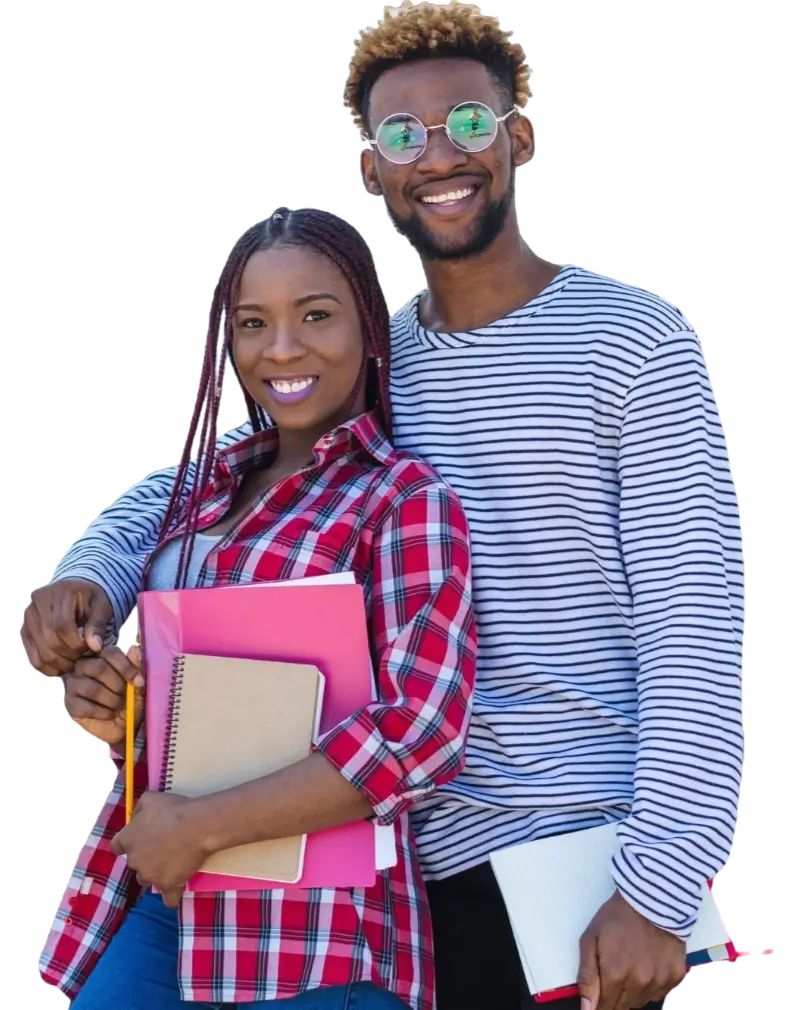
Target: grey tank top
<point>165,563</point>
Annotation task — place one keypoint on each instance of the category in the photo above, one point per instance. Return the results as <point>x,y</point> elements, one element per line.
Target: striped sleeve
<point>413,739</point>
<point>681,544</point>
<point>113,550</point>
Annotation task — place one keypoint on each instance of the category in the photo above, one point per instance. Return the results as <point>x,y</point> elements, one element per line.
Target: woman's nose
<point>285,345</point>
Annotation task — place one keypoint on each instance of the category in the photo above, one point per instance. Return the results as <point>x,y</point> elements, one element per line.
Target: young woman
<point>317,489</point>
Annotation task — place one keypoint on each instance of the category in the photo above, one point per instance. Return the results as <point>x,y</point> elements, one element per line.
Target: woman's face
<point>297,339</point>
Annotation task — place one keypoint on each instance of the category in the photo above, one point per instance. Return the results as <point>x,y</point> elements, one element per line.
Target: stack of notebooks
<point>240,683</point>
<point>552,889</point>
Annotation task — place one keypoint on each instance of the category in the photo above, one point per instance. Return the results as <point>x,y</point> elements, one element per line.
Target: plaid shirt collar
<point>361,433</point>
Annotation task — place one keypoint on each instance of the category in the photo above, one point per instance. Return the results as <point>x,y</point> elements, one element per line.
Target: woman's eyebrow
<point>316,298</point>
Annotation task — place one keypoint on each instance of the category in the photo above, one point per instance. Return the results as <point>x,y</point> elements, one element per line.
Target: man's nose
<point>441,157</point>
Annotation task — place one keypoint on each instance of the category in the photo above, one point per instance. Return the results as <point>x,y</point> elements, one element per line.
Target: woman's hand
<point>163,843</point>
<point>94,693</point>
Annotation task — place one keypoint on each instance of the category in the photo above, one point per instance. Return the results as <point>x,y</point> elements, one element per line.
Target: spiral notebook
<point>235,720</point>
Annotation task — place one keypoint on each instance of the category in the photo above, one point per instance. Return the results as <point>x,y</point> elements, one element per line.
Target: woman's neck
<point>295,449</point>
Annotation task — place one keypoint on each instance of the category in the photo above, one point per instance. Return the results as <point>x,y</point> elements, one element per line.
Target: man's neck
<point>466,294</point>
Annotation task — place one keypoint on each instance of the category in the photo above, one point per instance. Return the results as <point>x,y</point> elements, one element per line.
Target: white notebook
<point>552,889</point>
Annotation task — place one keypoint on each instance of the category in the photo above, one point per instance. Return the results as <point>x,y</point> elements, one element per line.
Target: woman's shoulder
<point>406,476</point>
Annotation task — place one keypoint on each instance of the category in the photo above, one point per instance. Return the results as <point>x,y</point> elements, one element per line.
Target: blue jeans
<point>138,971</point>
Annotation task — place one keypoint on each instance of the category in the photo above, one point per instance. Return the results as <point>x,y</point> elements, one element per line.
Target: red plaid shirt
<point>389,518</point>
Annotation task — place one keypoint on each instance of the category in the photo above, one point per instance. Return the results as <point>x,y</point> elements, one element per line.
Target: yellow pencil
<point>130,733</point>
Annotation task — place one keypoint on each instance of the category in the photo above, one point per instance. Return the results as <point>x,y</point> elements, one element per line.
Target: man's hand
<point>94,693</point>
<point>163,843</point>
<point>626,961</point>
<point>51,629</point>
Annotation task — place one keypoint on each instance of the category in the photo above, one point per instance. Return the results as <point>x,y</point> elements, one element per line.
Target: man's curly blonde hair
<point>427,30</point>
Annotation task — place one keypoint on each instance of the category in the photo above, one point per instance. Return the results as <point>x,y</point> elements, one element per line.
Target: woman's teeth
<point>453,197</point>
<point>292,386</point>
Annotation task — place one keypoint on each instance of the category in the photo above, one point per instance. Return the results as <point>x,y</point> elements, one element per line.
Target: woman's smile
<point>291,388</point>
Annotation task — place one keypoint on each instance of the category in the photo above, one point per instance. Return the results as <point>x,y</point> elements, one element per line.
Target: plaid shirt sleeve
<point>400,748</point>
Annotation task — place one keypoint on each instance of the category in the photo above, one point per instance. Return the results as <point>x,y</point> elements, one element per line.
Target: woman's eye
<point>252,324</point>
<point>315,315</point>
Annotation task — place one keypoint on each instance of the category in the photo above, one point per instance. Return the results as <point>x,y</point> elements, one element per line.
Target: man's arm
<point>112,551</point>
<point>110,555</point>
<point>679,529</point>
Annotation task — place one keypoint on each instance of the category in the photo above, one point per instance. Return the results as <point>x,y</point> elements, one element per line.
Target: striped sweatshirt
<point>581,434</point>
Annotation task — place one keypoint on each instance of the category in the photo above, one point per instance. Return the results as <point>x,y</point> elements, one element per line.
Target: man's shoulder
<point>406,316</point>
<point>589,296</point>
<point>611,301</point>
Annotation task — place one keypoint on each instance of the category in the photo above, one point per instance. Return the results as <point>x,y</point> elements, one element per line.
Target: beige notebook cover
<point>235,720</point>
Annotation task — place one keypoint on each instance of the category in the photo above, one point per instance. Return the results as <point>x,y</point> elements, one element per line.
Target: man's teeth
<point>295,386</point>
<point>452,197</point>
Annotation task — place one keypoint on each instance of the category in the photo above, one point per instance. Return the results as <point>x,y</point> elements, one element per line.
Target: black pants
<point>477,965</point>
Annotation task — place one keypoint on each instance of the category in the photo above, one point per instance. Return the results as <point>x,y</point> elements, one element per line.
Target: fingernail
<point>138,680</point>
<point>586,1003</point>
<point>95,643</point>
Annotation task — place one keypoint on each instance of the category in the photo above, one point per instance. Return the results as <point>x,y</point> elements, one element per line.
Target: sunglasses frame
<point>440,126</point>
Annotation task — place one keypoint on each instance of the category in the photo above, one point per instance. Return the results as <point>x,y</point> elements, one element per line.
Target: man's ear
<point>520,130</point>
<point>369,173</point>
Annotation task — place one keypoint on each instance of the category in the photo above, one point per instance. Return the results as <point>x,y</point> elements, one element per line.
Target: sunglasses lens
<point>472,126</point>
<point>401,139</point>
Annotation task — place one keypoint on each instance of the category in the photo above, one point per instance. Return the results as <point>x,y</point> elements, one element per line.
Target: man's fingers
<point>40,655</point>
<point>30,649</point>
<point>51,631</point>
<point>634,995</point>
<point>589,973</point>
<point>96,621</point>
<point>64,608</point>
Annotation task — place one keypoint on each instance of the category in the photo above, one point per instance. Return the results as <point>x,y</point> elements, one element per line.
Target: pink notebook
<point>271,622</point>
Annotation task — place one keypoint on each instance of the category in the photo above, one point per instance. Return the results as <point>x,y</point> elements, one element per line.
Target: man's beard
<point>431,246</point>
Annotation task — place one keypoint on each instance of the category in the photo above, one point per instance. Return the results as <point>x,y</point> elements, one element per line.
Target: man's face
<point>483,182</point>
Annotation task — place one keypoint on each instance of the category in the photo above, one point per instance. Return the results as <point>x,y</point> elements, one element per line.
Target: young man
<point>574,417</point>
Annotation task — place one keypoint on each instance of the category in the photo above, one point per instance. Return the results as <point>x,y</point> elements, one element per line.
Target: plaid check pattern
<point>386,516</point>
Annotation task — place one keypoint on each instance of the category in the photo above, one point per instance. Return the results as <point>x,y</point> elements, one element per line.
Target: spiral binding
<point>175,692</point>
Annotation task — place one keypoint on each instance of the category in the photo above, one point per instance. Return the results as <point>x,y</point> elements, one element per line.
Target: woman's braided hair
<point>344,246</point>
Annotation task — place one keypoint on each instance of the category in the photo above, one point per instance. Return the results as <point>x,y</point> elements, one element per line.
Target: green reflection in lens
<point>471,126</point>
<point>401,138</point>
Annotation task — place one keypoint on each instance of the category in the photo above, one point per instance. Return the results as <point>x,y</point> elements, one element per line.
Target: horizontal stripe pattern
<point>582,436</point>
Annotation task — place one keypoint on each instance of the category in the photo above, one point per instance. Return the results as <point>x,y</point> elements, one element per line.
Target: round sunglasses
<point>470,126</point>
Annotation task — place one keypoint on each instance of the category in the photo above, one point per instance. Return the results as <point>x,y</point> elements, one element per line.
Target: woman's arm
<point>385,756</point>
